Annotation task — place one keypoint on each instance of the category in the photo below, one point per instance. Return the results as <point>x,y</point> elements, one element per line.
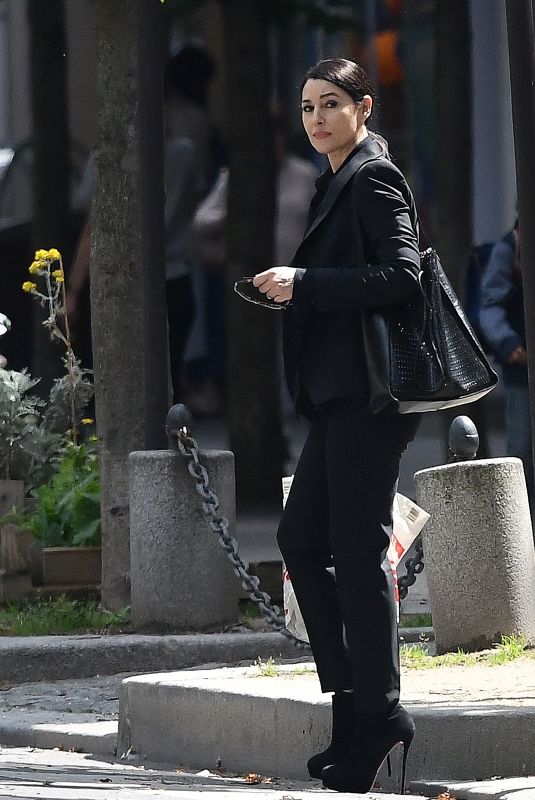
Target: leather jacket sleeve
<point>387,225</point>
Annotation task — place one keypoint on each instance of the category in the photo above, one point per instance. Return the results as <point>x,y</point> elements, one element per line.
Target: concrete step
<point>468,725</point>
<point>495,789</point>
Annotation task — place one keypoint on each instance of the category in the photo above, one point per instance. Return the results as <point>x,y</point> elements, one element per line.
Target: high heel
<point>342,730</point>
<point>374,737</point>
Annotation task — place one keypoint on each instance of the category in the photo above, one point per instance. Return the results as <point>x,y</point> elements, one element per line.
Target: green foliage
<point>338,15</point>
<point>32,431</point>
<point>58,615</point>
<point>417,657</point>
<point>510,647</point>
<point>67,511</point>
<point>268,669</point>
<point>415,621</point>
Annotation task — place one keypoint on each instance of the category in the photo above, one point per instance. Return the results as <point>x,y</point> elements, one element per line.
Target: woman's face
<point>334,122</point>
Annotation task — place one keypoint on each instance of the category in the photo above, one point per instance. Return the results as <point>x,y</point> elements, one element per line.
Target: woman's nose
<point>318,117</point>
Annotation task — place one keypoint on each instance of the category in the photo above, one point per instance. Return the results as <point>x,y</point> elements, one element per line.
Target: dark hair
<point>346,74</point>
<point>349,76</point>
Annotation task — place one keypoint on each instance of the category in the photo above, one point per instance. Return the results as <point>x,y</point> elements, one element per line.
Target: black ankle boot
<point>342,731</point>
<point>373,739</point>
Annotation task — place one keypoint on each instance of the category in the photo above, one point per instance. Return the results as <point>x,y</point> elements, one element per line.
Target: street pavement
<point>32,774</point>
<point>82,715</point>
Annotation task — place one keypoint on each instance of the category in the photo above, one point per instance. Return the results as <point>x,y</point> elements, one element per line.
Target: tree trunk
<point>51,158</point>
<point>253,381</point>
<point>118,301</point>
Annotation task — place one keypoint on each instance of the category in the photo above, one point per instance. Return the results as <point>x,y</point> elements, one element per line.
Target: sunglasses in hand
<point>246,289</point>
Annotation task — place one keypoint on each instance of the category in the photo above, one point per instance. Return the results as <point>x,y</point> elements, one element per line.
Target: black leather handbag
<point>424,355</point>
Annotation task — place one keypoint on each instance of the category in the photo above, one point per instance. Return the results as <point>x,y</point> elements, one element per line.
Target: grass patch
<point>248,610</point>
<point>415,621</point>
<point>57,615</point>
<point>510,648</point>
<point>267,669</point>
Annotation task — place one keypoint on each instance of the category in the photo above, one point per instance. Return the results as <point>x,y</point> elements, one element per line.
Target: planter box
<point>72,566</point>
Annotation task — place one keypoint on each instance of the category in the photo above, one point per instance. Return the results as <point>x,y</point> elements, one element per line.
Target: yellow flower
<point>58,275</point>
<point>28,286</point>
<point>36,267</point>
<point>54,254</point>
<point>41,255</point>
<point>87,421</point>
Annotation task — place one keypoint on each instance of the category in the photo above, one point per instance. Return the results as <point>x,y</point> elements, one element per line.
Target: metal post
<point>520,34</point>
<point>151,155</point>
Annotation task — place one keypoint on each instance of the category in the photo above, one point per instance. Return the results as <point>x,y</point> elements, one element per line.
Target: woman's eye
<point>331,104</point>
<point>306,109</point>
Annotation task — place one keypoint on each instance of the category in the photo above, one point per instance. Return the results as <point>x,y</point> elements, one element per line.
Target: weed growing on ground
<point>415,621</point>
<point>59,615</point>
<point>268,669</point>
<point>416,656</point>
<point>510,647</point>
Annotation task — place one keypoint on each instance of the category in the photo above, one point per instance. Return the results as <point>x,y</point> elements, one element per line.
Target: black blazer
<point>360,250</point>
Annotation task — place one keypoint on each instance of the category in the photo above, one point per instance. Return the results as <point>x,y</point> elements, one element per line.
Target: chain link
<point>219,524</point>
<point>414,567</point>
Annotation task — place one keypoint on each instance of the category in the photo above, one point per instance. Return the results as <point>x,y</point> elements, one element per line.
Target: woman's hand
<point>277,283</point>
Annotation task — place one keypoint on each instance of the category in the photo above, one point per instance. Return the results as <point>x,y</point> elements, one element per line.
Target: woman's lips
<point>321,134</point>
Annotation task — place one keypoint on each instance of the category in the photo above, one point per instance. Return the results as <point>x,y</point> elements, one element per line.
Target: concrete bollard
<point>479,554</point>
<point>181,578</point>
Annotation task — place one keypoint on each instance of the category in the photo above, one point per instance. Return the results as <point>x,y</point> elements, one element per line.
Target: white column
<point>494,182</point>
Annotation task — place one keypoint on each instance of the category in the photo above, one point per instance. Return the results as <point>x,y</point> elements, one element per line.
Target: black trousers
<point>339,513</point>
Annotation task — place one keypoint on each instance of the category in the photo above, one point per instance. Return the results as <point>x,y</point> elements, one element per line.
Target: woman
<point>360,250</point>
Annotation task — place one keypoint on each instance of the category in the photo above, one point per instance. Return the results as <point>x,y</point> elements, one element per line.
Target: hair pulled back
<point>349,76</point>
<point>346,74</point>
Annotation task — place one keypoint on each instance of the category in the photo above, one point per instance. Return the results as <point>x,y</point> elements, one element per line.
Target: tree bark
<point>253,381</point>
<point>119,251</point>
<point>48,59</point>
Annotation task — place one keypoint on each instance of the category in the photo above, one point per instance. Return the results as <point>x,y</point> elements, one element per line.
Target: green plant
<point>415,621</point>
<point>508,649</point>
<point>268,669</point>
<point>67,510</point>
<point>58,615</point>
<point>32,431</point>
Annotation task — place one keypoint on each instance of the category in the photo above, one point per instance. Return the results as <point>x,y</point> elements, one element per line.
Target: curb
<point>81,734</point>
<point>228,717</point>
<point>38,658</point>
<point>25,659</point>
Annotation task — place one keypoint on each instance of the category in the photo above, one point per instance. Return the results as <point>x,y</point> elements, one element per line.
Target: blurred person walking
<point>501,318</point>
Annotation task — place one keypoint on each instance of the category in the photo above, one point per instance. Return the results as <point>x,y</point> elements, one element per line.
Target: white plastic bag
<point>408,520</point>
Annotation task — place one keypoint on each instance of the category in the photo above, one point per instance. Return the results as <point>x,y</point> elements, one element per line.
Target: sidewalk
<point>48,775</point>
<point>472,723</point>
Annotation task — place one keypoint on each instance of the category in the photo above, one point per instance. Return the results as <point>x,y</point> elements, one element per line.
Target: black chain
<point>414,567</point>
<point>219,524</point>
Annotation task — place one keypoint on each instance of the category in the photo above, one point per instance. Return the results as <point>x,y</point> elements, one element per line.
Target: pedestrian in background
<point>502,322</point>
<point>360,250</point>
